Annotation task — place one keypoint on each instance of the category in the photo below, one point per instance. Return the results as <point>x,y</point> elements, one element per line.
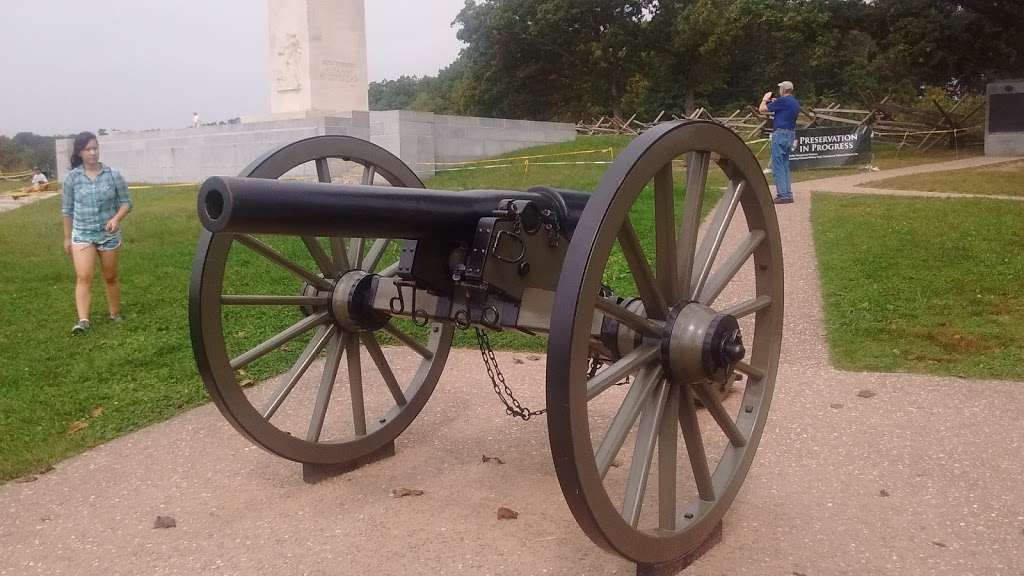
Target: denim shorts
<point>112,242</point>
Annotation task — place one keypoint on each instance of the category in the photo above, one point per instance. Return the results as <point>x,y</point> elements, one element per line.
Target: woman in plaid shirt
<point>95,201</point>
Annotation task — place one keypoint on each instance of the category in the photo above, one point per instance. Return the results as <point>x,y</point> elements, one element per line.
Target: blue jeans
<point>782,142</point>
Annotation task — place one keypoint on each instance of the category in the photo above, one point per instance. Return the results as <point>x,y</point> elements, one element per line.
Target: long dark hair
<point>81,141</point>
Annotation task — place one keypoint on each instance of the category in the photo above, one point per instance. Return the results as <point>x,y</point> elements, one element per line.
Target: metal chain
<point>491,363</point>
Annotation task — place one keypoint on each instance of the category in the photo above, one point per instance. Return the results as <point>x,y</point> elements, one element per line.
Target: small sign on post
<point>829,147</point>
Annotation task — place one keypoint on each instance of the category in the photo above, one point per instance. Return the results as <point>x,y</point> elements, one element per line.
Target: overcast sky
<point>72,65</point>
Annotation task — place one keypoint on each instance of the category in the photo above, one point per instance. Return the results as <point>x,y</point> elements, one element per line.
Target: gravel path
<point>923,477</point>
<point>7,202</point>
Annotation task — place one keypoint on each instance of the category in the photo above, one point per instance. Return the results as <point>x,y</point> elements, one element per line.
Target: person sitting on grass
<point>38,180</point>
<point>95,201</point>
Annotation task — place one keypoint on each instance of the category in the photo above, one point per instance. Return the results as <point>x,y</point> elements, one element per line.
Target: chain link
<point>494,373</point>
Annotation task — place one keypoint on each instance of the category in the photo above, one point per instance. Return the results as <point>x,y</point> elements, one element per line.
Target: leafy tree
<point>394,94</point>
<point>572,59</point>
<point>548,59</point>
<point>13,158</point>
<point>38,151</point>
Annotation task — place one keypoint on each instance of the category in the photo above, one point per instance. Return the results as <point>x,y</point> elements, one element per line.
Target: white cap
<point>786,85</point>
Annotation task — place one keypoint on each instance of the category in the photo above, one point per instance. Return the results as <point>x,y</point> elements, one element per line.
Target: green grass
<point>923,285</point>
<point>1005,179</point>
<point>138,372</point>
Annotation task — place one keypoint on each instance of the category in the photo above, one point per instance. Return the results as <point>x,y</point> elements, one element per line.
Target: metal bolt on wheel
<point>296,415</point>
<point>685,341</point>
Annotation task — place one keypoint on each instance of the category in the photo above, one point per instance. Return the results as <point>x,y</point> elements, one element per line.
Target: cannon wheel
<point>311,305</point>
<point>698,478</point>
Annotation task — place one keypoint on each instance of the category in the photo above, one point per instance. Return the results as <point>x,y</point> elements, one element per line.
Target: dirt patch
<point>954,341</point>
<point>1007,307</point>
<point>951,340</point>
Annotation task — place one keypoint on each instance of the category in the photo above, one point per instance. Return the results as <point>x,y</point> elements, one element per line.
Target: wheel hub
<point>700,344</point>
<point>352,303</point>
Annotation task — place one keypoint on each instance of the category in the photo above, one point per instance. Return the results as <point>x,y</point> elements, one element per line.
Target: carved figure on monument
<point>287,77</point>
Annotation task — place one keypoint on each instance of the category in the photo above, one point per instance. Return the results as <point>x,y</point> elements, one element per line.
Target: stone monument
<point>1004,122</point>
<point>318,56</point>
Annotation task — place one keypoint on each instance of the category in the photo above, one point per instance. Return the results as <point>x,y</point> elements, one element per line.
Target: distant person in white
<point>38,179</point>
<point>195,119</point>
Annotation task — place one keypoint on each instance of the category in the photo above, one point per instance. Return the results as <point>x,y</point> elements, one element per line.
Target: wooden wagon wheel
<point>309,419</point>
<point>682,343</point>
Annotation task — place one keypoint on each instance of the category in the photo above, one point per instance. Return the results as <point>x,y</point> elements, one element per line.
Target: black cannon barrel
<point>264,206</point>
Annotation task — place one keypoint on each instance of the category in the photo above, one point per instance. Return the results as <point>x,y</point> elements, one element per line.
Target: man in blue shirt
<point>786,108</point>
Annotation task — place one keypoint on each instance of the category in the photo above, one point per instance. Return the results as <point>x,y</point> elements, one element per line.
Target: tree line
<point>575,59</point>
<point>27,150</point>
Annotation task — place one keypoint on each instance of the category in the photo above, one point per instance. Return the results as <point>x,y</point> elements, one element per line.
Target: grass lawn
<point>923,285</point>
<point>1005,179</point>
<point>63,394</point>
<point>119,378</point>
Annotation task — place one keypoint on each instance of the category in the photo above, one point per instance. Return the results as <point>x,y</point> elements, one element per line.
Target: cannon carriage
<point>388,271</point>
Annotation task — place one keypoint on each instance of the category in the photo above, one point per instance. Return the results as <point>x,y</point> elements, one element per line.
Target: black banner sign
<point>826,147</point>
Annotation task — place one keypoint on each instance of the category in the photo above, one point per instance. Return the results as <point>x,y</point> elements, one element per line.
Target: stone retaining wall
<point>420,139</point>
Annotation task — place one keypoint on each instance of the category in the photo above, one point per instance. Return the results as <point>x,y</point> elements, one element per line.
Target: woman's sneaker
<point>81,327</point>
<point>116,318</point>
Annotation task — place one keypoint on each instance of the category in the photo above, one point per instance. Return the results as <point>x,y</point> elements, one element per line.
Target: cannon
<point>647,324</point>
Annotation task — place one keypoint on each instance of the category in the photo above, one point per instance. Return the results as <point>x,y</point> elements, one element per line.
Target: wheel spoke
<point>727,271</point>
<point>318,254</point>
<point>695,444</point>
<point>327,379</point>
<point>355,252</point>
<point>654,302</point>
<point>375,253</point>
<point>369,172</point>
<point>291,378</point>
<point>748,307</point>
<point>624,366</point>
<point>385,369</point>
<point>696,181</point>
<point>339,255</point>
<point>390,271</point>
<point>668,440</point>
<point>665,233</point>
<point>717,411</point>
<point>643,453</point>
<point>409,341</point>
<point>287,335</point>
<point>266,300</point>
<point>355,384</point>
<point>279,259</point>
<point>714,236</point>
<point>323,170</point>
<point>634,321</point>
<point>323,174</point>
<point>753,372</point>
<point>625,417</point>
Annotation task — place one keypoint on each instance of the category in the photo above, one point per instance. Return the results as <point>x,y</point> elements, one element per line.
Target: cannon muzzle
<point>264,206</point>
